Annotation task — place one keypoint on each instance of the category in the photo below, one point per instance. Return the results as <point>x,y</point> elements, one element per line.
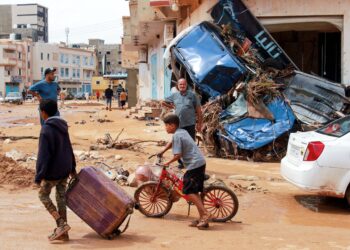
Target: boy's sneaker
<point>204,222</point>
<point>194,223</point>
<point>64,237</point>
<point>58,232</point>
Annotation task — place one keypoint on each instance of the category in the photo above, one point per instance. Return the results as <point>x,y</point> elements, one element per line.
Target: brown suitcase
<point>99,202</point>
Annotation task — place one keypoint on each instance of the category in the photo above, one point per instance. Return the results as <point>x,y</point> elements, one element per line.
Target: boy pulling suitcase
<point>54,165</point>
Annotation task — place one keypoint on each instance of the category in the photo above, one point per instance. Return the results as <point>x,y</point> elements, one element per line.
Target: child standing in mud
<point>184,147</point>
<point>54,165</point>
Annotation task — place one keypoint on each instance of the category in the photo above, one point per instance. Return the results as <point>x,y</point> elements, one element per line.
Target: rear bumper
<point>309,176</point>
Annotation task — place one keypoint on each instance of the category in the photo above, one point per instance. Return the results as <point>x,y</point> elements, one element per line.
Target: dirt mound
<point>12,173</point>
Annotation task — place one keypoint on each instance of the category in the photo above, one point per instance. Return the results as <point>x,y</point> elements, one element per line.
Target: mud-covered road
<point>275,215</point>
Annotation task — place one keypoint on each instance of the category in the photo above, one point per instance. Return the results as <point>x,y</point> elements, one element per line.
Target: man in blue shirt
<point>46,89</point>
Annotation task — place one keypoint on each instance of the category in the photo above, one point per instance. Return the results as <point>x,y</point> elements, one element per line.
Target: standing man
<point>109,95</point>
<point>46,89</point>
<point>119,90</point>
<point>24,93</point>
<point>187,108</point>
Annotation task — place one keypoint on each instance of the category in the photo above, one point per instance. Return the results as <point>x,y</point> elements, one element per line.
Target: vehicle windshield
<point>337,128</point>
<point>13,94</point>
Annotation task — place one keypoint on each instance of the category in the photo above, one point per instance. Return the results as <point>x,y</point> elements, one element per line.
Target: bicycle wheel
<point>152,202</point>
<point>221,202</point>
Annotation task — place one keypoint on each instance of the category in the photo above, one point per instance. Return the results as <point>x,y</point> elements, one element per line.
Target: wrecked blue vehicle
<point>213,69</point>
<point>206,58</point>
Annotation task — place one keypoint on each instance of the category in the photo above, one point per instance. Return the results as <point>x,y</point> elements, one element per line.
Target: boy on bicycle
<point>184,147</point>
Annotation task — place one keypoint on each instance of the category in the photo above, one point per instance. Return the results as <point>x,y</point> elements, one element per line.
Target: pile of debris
<point>11,173</point>
<point>146,111</point>
<point>131,144</point>
<point>253,95</point>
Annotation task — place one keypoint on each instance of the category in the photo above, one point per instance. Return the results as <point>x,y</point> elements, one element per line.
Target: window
<point>28,48</point>
<point>91,60</point>
<point>108,63</point>
<point>66,61</point>
<point>62,58</point>
<point>48,56</point>
<point>85,60</point>
<point>19,55</point>
<point>42,71</point>
<point>78,60</point>
<point>97,82</point>
<point>73,74</point>
<point>28,65</point>
<point>108,53</point>
<point>19,72</point>
<point>66,72</point>
<point>62,72</point>
<point>78,73</point>
<point>119,62</point>
<point>42,56</point>
<point>73,60</point>
<point>338,128</point>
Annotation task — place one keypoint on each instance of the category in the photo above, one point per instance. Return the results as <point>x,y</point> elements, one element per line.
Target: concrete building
<point>75,66</point>
<point>24,21</point>
<point>315,34</point>
<point>108,56</point>
<point>15,65</point>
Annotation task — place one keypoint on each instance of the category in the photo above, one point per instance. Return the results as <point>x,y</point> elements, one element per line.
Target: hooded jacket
<point>55,157</point>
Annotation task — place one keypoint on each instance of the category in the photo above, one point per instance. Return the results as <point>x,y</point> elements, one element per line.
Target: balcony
<point>8,62</point>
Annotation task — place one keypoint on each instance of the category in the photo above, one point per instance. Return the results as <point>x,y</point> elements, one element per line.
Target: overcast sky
<point>85,19</point>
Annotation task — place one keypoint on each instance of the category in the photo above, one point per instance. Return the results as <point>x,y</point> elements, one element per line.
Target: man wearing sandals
<point>184,148</point>
<point>55,163</point>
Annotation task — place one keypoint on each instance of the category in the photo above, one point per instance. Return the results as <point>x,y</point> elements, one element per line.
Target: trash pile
<point>11,173</point>
<point>131,144</point>
<point>253,95</point>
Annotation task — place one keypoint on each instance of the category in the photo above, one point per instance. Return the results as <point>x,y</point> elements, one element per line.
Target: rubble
<point>253,95</point>
<point>243,178</point>
<point>13,174</point>
<point>253,187</point>
<point>16,155</point>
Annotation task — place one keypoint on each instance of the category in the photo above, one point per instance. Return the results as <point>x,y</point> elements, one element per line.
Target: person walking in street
<point>55,164</point>
<point>187,108</point>
<point>46,89</point>
<point>123,96</point>
<point>109,95</point>
<point>119,90</point>
<point>24,94</point>
<point>87,96</point>
<point>98,96</point>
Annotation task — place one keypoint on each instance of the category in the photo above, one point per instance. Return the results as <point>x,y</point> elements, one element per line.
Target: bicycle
<point>155,198</point>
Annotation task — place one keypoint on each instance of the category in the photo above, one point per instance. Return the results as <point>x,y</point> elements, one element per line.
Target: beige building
<point>315,34</point>
<point>15,65</point>
<point>75,66</point>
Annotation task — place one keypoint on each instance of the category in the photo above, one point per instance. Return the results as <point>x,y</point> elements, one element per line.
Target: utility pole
<point>67,34</point>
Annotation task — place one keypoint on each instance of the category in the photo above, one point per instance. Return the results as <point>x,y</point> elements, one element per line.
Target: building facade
<point>15,65</point>
<point>108,56</point>
<point>75,66</point>
<point>24,21</point>
<point>315,34</point>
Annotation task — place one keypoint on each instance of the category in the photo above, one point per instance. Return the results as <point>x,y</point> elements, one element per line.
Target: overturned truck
<point>253,95</point>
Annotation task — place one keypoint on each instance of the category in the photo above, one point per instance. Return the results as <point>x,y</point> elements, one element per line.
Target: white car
<point>319,161</point>
<point>14,97</point>
<point>2,99</point>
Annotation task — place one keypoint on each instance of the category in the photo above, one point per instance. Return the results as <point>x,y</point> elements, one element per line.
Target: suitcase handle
<point>72,182</point>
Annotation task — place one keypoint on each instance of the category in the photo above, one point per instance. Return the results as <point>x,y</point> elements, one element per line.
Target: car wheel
<point>347,194</point>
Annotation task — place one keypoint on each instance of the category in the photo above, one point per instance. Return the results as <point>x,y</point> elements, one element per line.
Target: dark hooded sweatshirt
<point>55,157</point>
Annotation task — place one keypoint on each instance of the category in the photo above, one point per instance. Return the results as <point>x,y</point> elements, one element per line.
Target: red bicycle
<point>156,198</point>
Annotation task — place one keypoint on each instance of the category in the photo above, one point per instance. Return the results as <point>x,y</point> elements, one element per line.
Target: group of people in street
<point>56,161</point>
<point>121,96</point>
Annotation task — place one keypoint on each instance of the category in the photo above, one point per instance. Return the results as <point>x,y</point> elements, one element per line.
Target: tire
<point>160,207</point>
<point>347,195</point>
<point>226,203</point>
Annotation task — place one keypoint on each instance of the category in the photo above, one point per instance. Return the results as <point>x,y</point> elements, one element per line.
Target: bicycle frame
<point>176,183</point>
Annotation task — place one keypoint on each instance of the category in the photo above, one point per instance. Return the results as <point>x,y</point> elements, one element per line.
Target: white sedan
<point>319,161</point>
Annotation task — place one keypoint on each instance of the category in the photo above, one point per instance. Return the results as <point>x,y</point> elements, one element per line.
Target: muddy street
<point>273,214</point>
